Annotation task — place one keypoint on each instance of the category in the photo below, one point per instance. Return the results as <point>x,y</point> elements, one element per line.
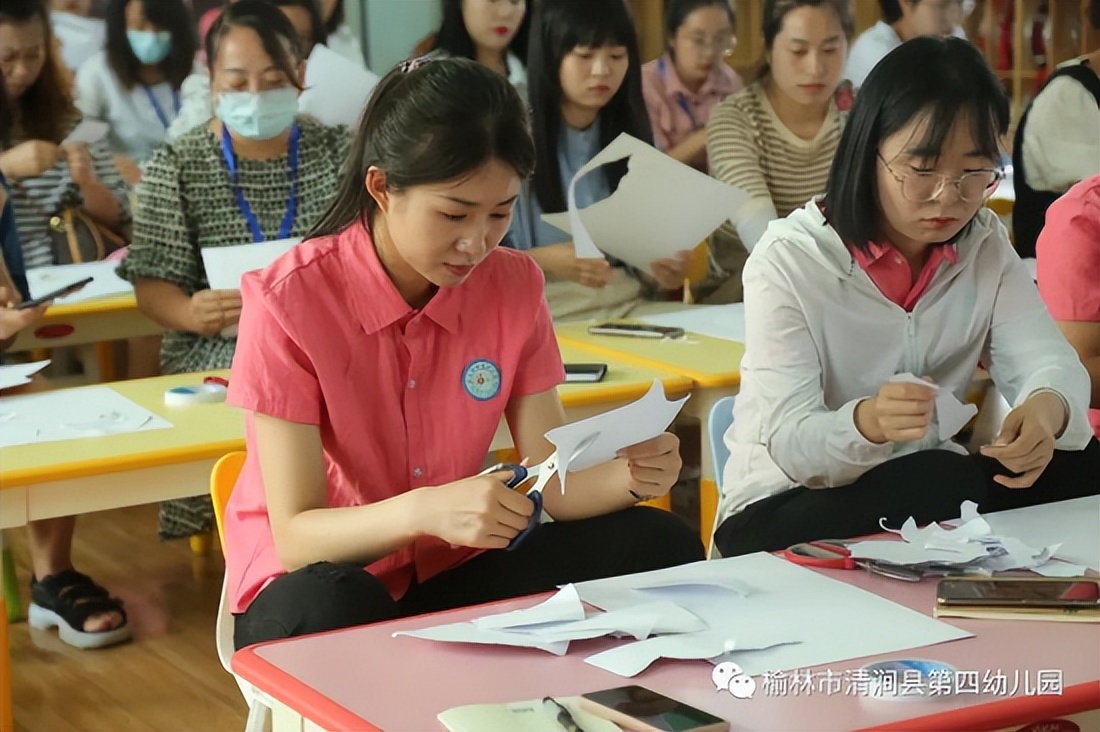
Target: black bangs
<point>942,114</point>
<point>592,25</point>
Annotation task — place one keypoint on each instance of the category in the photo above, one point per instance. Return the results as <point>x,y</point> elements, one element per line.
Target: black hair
<point>336,19</point>
<point>559,27</point>
<point>430,121</point>
<point>318,31</point>
<point>46,107</point>
<point>955,83</point>
<point>677,11</point>
<point>170,15</point>
<point>5,115</point>
<point>891,11</point>
<point>775,11</point>
<point>275,30</point>
<point>456,41</point>
<point>1094,13</point>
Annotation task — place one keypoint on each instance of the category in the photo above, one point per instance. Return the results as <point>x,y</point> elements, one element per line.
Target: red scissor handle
<point>820,554</point>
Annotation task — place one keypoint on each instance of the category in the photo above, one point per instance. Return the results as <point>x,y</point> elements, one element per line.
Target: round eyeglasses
<point>919,187</point>
<point>722,45</point>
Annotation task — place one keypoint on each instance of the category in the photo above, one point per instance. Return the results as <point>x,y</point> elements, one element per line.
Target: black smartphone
<point>636,330</point>
<point>638,709</point>
<point>59,292</point>
<point>1024,592</point>
<point>585,373</point>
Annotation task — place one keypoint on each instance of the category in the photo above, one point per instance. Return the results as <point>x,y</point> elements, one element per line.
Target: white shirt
<point>820,337</point>
<point>874,43</point>
<point>1062,135</point>
<point>344,42</point>
<point>136,130</point>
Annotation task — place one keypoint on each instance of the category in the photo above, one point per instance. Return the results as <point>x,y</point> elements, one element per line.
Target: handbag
<point>75,238</point>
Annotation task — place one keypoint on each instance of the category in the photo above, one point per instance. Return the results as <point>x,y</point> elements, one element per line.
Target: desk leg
<point>285,719</point>
<point>10,587</point>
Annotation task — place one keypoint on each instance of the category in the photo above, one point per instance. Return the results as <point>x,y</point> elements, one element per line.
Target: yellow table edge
<point>673,383</point>
<point>706,380</point>
<point>111,304</point>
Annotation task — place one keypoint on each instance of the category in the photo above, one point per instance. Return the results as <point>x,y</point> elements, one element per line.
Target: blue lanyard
<point>160,110</point>
<point>242,203</point>
<point>681,100</point>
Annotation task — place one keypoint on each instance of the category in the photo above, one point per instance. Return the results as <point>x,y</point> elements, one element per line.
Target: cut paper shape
<point>89,411</point>
<point>226,265</point>
<point>105,283</point>
<point>1072,523</point>
<point>87,132</point>
<point>637,622</point>
<point>18,374</point>
<point>563,605</point>
<point>628,425</point>
<point>951,414</point>
<point>470,633</point>
<point>660,207</point>
<point>633,658</point>
<point>336,89</point>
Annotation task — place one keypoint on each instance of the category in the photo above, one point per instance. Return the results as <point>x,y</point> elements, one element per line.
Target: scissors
<point>834,554</point>
<point>542,473</point>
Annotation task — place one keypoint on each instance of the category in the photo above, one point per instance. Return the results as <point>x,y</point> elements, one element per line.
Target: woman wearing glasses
<point>899,269</point>
<point>683,86</point>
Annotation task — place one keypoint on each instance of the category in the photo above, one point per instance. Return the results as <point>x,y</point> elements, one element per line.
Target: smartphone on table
<point>59,292</point>
<point>638,709</point>
<point>1077,593</point>
<point>636,330</point>
<point>585,373</point>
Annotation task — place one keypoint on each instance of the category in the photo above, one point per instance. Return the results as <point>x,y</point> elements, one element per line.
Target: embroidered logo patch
<point>481,379</point>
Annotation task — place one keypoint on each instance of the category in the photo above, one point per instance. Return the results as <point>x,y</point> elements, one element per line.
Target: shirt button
<point>417,472</point>
<point>412,383</point>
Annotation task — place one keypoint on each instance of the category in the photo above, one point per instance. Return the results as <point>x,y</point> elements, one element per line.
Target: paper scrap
<point>336,89</point>
<point>470,633</point>
<point>636,422</point>
<point>633,658</point>
<point>20,373</point>
<point>637,622</point>
<point>661,207</point>
<point>89,411</point>
<point>951,414</point>
<point>563,605</point>
<point>1071,523</point>
<point>86,132</point>
<point>226,265</point>
<point>105,283</point>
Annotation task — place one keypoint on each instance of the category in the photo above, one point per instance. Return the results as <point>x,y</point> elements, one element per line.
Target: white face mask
<point>258,115</point>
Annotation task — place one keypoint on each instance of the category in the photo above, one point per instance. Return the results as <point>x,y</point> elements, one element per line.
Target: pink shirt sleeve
<point>540,363</point>
<point>1068,255</point>
<point>656,105</point>
<point>271,373</point>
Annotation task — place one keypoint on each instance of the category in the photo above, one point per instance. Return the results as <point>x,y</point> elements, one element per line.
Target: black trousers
<point>327,596</point>
<point>927,485</point>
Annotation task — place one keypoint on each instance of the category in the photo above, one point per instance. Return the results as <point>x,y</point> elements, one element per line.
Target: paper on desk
<point>636,422</point>
<point>226,265</point>
<point>564,605</point>
<point>87,132</point>
<point>105,283</point>
<point>660,207</point>
<point>1072,523</point>
<point>470,633</point>
<point>20,373</point>
<point>717,321</point>
<point>633,658</point>
<point>336,89</point>
<point>951,414</point>
<point>66,414</point>
<point>640,621</point>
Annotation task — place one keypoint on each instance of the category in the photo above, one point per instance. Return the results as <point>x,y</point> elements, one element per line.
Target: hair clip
<point>412,64</point>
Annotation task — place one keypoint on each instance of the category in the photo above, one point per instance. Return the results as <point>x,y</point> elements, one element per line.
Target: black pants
<point>327,596</point>
<point>927,485</point>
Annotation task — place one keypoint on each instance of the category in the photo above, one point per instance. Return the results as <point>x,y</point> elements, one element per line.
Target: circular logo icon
<point>481,379</point>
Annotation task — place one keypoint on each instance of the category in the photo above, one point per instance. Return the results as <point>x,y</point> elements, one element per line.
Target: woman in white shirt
<point>341,37</point>
<point>899,272</point>
<point>491,32</point>
<point>133,84</point>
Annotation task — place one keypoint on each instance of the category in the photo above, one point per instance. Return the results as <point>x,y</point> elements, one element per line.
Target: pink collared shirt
<point>1068,260</point>
<point>891,274</point>
<point>403,398</point>
<point>675,112</point>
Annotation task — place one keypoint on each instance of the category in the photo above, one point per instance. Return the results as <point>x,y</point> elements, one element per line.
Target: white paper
<point>87,132</point>
<point>1072,523</point>
<point>788,604</point>
<point>633,658</point>
<point>660,207</point>
<point>564,605</point>
<point>470,633</point>
<point>717,321</point>
<point>640,621</point>
<point>951,414</point>
<point>336,90</point>
<point>90,411</point>
<point>81,38</point>
<point>105,283</point>
<point>20,373</point>
<point>226,265</point>
<point>1060,569</point>
<point>636,422</point>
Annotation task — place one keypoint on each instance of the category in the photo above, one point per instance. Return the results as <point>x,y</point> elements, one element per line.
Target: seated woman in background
<point>683,86</point>
<point>341,37</point>
<point>47,177</point>
<point>585,89</point>
<point>134,83</point>
<point>491,32</point>
<point>1068,272</point>
<point>198,108</point>
<point>254,173</point>
<point>899,269</point>
<point>901,20</point>
<point>776,139</point>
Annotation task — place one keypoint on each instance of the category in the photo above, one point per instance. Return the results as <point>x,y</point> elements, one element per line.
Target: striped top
<point>36,200</point>
<point>751,149</point>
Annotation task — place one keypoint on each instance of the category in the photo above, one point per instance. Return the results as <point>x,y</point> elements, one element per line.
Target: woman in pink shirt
<point>683,86</point>
<point>375,362</point>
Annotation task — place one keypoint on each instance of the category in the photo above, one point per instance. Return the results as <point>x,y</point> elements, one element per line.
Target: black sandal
<point>66,600</point>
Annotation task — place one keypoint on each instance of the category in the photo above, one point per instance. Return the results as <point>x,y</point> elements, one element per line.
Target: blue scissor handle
<point>519,475</point>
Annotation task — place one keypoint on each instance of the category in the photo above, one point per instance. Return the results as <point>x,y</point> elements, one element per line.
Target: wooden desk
<point>364,678</point>
<point>713,365</point>
<point>91,321</point>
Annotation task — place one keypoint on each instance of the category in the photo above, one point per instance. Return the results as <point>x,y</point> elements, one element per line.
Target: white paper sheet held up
<point>951,414</point>
<point>20,373</point>
<point>336,90</point>
<point>105,283</point>
<point>226,265</point>
<point>660,207</point>
<point>717,321</point>
<point>87,132</point>
<point>90,411</point>
<point>636,422</point>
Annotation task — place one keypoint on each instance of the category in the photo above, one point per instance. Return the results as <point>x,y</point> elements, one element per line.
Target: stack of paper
<point>970,546</point>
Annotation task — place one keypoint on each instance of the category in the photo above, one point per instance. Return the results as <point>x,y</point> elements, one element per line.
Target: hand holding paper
<point>226,265</point>
<point>951,414</point>
<point>1025,444</point>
